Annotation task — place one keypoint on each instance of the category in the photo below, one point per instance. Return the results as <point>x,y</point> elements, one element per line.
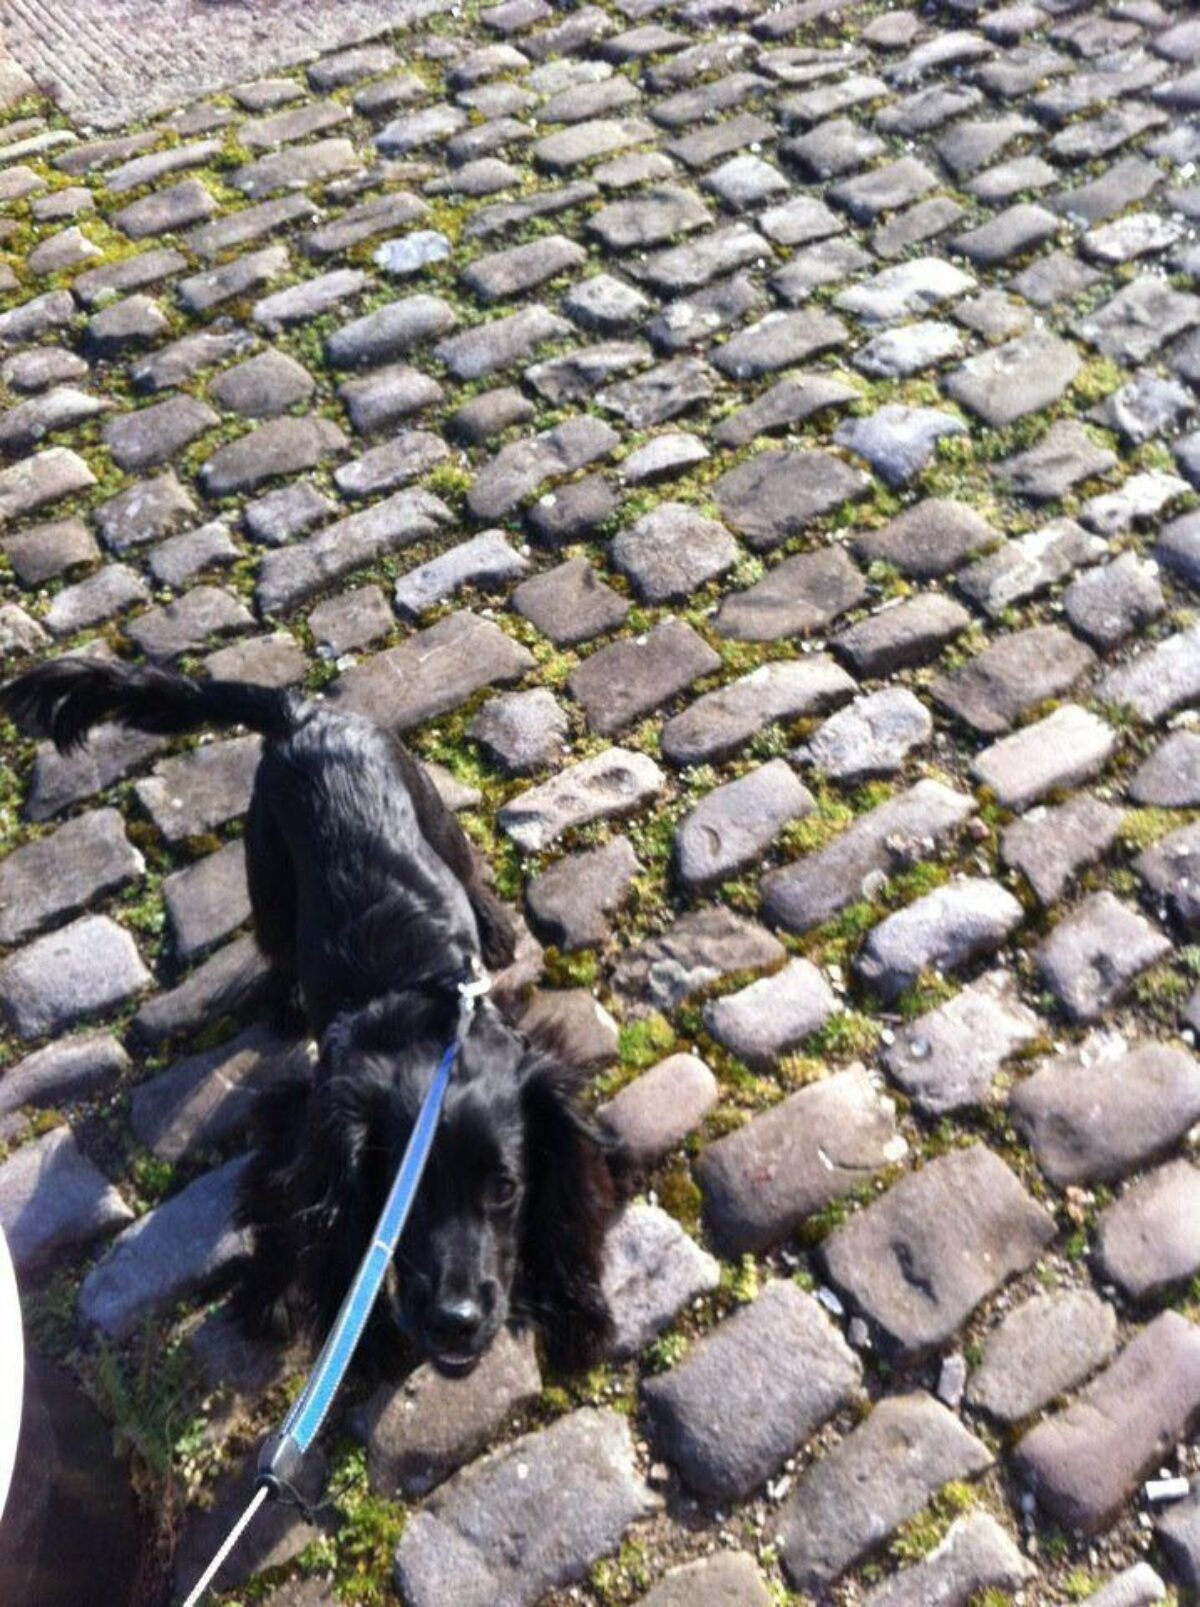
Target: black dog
<point>370,903</point>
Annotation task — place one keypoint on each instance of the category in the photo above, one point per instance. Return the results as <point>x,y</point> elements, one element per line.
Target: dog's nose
<point>457,1319</point>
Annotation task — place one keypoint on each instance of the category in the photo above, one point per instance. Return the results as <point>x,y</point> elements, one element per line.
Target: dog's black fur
<point>369,902</point>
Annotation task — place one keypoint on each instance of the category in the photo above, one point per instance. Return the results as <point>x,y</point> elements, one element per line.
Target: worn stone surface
<point>1091,958</point>
<point>1098,1112</point>
<point>736,824</point>
<point>425,1429</point>
<point>948,1057</point>
<point>573,902</point>
<point>700,948</point>
<point>1083,1462</point>
<point>80,970</point>
<point>563,1496</point>
<point>772,1016</point>
<point>1149,1239</point>
<point>907,827</point>
<point>878,1476</point>
<point>1067,747</point>
<point>976,1556</point>
<point>652,1271</point>
<point>761,1182</point>
<point>992,690</point>
<point>1040,1350</point>
<point>658,1109</point>
<point>188,1243</point>
<point>79,864</point>
<point>717,724</point>
<point>748,1395</point>
<point>940,932</point>
<point>918,1261</point>
<point>53,1199</point>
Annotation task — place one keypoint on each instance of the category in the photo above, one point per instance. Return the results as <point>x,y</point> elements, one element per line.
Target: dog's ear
<point>307,1198</point>
<point>567,1212</point>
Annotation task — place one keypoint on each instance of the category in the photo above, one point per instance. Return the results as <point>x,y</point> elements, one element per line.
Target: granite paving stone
<point>991,691</point>
<point>652,1272</point>
<point>718,723</point>
<point>897,440</point>
<point>72,1068</point>
<point>902,634</point>
<point>186,1244</point>
<point>749,1395</point>
<point>768,1018</point>
<point>614,783</point>
<point>1168,871</point>
<point>657,1111</point>
<point>190,794</point>
<point>776,494</point>
<point>881,1474</point>
<point>1098,1112</point>
<point>564,1496</point>
<point>521,731</point>
<point>762,1181</point>
<point>1178,1533</point>
<point>948,1058</point>
<point>1049,846</point>
<point>1147,1240</point>
<point>1084,1462</point>
<point>927,540</point>
<point>295,573</point>
<point>206,901</point>
<point>976,1556</point>
<point>1159,680</point>
<point>53,1199</point>
<point>207,1098</point>
<point>906,828</point>
<point>572,903</point>
<point>420,1432</point>
<point>569,603</point>
<point>672,551</point>
<point>433,671</point>
<point>701,947</point>
<point>734,825</point>
<point>1040,1350</point>
<point>619,684</point>
<point>1169,778</point>
<point>1092,958</point>
<point>484,563</point>
<point>722,1580</point>
<point>84,969</point>
<point>229,982</point>
<point>1068,747</point>
<point>73,868</point>
<point>917,1261</point>
<point>942,931</point>
<point>798,596</point>
<point>872,736</point>
<point>1029,564</point>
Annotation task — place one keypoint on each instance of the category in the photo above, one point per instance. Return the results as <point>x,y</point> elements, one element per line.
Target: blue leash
<point>283,1451</point>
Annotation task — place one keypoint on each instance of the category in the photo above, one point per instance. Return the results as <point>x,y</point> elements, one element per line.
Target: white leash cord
<point>231,1540</point>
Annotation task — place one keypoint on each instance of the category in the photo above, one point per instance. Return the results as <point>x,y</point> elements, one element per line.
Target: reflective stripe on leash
<point>283,1451</point>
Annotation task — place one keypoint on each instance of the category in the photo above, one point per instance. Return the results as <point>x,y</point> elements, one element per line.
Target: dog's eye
<point>500,1192</point>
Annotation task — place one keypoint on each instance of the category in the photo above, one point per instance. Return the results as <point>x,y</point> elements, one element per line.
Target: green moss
<point>646,1041</point>
<point>1141,828</point>
<point>153,1179</point>
<point>621,1579</point>
<point>1098,378</point>
<point>360,1550</point>
<point>680,1197</point>
<point>580,970</point>
<point>741,1282</point>
<point>920,1535</point>
<point>847,1035</point>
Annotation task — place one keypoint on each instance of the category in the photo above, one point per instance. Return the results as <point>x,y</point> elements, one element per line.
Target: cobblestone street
<point>751,452</point>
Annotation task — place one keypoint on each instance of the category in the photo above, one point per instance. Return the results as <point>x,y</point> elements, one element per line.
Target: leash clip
<point>475,985</point>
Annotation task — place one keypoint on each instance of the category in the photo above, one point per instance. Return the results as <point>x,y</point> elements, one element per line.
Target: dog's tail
<point>65,698</point>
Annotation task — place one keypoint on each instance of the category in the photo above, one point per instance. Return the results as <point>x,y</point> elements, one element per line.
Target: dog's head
<point>510,1217</point>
